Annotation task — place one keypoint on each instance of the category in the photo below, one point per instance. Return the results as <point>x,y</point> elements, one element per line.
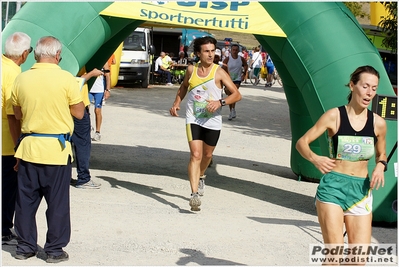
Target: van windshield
<point>135,42</point>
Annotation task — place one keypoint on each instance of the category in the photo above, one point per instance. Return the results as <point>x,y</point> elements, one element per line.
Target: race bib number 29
<point>355,148</point>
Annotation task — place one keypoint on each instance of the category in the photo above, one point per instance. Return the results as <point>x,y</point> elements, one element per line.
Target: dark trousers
<point>167,74</point>
<point>81,143</point>
<point>36,181</point>
<point>9,192</point>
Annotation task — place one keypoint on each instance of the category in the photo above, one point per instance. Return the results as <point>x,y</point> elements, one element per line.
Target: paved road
<point>254,211</point>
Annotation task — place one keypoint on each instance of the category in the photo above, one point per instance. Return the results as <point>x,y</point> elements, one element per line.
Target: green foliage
<point>389,25</point>
<point>356,9</point>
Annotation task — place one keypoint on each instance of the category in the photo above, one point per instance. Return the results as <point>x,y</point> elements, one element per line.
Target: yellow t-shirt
<point>44,94</point>
<point>166,62</point>
<point>9,72</point>
<point>84,92</point>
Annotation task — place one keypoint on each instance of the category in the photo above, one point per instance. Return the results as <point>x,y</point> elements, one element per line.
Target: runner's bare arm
<point>377,177</point>
<point>93,73</point>
<point>181,93</point>
<point>325,122</point>
<point>107,81</point>
<point>222,77</point>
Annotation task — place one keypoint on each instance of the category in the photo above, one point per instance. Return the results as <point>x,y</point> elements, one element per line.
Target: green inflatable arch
<point>321,44</point>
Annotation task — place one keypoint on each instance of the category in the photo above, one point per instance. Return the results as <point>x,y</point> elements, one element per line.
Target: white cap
<point>218,53</point>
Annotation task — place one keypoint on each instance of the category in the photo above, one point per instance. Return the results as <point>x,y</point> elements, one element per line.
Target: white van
<point>136,58</point>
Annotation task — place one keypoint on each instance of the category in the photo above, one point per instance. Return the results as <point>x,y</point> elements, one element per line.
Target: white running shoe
<point>201,185</point>
<point>97,136</point>
<point>89,185</point>
<point>195,202</point>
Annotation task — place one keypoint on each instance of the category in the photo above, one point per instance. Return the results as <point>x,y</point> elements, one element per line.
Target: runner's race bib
<point>355,148</point>
<point>200,110</point>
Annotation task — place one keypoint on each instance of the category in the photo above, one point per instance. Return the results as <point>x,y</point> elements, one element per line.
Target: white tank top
<point>98,85</point>
<point>235,68</point>
<point>201,89</point>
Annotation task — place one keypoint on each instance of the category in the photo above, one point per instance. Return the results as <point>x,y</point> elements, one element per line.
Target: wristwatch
<point>222,102</point>
<point>385,164</point>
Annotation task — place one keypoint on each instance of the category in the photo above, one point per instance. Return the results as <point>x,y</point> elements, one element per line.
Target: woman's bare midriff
<point>352,168</point>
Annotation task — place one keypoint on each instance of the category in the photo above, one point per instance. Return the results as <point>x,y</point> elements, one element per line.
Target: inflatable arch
<point>314,45</point>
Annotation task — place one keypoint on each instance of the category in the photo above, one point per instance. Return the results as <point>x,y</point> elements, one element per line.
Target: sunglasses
<point>30,49</point>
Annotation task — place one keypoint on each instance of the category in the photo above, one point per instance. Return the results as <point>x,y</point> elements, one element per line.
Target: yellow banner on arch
<point>244,16</point>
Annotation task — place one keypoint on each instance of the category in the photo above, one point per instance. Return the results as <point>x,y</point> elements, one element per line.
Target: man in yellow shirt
<point>167,61</point>
<point>45,98</point>
<point>161,67</point>
<point>17,49</point>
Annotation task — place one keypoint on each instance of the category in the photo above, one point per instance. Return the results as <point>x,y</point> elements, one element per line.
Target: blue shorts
<point>270,69</point>
<point>352,194</point>
<point>98,99</point>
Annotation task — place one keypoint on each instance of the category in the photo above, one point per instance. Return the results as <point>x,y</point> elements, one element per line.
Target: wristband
<point>385,164</point>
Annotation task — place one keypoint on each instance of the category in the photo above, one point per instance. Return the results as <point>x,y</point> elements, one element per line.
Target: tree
<point>357,9</point>
<point>389,26</point>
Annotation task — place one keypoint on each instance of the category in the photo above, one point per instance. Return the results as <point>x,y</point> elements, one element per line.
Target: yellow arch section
<point>245,17</point>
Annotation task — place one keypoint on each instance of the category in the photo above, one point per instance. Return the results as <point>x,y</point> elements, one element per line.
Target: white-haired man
<point>45,98</point>
<point>16,50</point>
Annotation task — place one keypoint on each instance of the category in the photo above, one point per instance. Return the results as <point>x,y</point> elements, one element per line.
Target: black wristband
<point>385,164</point>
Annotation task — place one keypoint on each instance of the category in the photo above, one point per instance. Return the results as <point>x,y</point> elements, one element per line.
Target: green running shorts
<point>351,193</point>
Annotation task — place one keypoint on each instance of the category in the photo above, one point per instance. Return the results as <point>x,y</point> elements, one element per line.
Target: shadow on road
<point>305,225</point>
<point>149,191</point>
<point>256,115</point>
<point>165,162</point>
<point>198,257</point>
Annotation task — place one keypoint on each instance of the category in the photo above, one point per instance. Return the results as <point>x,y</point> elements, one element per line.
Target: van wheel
<point>144,84</point>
